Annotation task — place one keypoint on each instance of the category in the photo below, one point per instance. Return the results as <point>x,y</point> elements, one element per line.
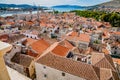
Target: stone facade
<point>47,73</point>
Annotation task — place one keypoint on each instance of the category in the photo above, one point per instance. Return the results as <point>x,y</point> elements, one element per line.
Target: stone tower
<point>4,47</point>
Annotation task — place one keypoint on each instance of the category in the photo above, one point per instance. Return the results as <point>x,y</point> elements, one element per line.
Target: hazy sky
<point>55,2</point>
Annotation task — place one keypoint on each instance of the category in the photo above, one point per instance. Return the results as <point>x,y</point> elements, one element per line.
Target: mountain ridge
<point>2,5</point>
<point>110,4</point>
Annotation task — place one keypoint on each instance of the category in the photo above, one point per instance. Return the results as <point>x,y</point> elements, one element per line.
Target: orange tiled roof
<point>104,61</point>
<point>30,53</point>
<point>43,24</point>
<point>29,41</point>
<point>60,50</point>
<point>107,74</point>
<point>79,69</point>
<point>98,24</point>
<point>105,34</point>
<point>40,46</point>
<point>117,33</point>
<point>74,34</point>
<point>116,60</point>
<point>67,44</point>
<point>30,23</point>
<point>84,37</point>
<point>78,37</point>
<point>105,51</point>
<point>10,23</point>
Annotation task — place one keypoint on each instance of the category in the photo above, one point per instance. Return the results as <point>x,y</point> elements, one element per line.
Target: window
<point>70,55</point>
<point>111,78</point>
<point>63,74</point>
<point>78,59</point>
<point>44,67</point>
<point>45,75</point>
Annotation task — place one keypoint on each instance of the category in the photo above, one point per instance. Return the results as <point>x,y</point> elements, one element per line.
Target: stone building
<point>53,67</point>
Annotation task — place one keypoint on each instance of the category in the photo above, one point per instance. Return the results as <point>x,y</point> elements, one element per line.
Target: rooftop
<point>116,60</point>
<point>67,44</point>
<point>29,41</point>
<point>69,66</point>
<point>78,37</point>
<point>104,61</point>
<point>40,46</point>
<point>60,50</point>
<point>117,33</point>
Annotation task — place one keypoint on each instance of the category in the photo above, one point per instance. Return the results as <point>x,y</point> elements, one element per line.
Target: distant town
<point>74,45</point>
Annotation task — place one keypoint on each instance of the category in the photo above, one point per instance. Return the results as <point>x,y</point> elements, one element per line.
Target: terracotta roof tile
<point>31,53</point>
<point>95,58</point>
<point>67,44</point>
<point>40,46</point>
<point>60,50</point>
<point>29,41</point>
<point>105,51</point>
<point>80,69</point>
<point>30,23</point>
<point>105,74</point>
<point>115,75</point>
<point>73,34</point>
<point>116,60</point>
<point>104,61</point>
<point>10,23</point>
<point>78,37</point>
<point>117,33</point>
<point>84,37</point>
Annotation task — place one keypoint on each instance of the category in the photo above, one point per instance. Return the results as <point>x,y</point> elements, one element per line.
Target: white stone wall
<point>14,75</point>
<point>52,74</point>
<point>83,44</point>
<point>31,35</point>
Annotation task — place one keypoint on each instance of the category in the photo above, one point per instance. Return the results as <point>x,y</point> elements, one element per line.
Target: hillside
<point>19,6</point>
<point>14,5</point>
<point>110,4</point>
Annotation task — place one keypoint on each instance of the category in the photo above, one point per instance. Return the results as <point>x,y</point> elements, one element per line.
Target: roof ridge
<point>95,71</point>
<point>49,49</point>
<point>107,62</point>
<point>111,65</point>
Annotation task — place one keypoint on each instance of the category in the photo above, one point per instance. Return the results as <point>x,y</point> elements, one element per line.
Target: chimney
<point>4,47</point>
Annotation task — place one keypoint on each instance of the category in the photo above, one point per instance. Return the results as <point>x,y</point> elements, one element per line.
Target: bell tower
<point>4,47</point>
